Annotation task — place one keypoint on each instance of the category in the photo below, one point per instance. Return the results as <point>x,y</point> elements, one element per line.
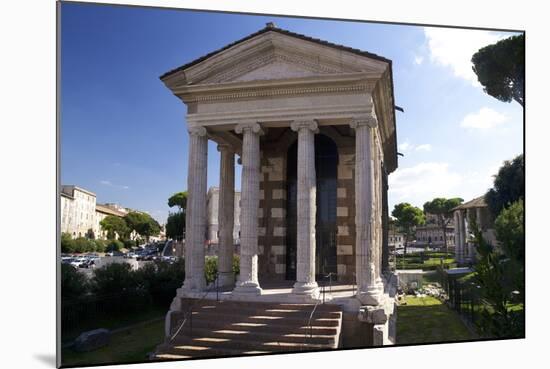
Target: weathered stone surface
<point>92,340</point>
<point>225,215</point>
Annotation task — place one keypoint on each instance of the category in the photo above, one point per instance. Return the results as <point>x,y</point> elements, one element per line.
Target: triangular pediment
<point>274,56</point>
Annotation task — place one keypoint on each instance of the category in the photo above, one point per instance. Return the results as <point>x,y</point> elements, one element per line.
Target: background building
<point>80,213</point>
<point>213,198</point>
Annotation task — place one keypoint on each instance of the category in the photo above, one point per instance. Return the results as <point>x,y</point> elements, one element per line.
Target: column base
<point>306,288</point>
<point>248,288</point>
<point>372,295</point>
<point>226,279</point>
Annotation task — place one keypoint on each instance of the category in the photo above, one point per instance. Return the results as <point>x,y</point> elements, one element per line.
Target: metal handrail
<point>189,312</point>
<point>309,326</point>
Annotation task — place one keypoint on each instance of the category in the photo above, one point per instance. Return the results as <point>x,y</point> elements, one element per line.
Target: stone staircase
<point>227,328</point>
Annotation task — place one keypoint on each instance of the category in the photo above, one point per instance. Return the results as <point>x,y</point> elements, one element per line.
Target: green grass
<point>127,346</point>
<point>113,322</point>
<point>429,260</point>
<point>427,320</point>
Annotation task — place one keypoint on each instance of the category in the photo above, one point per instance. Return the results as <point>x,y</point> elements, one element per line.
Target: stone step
<point>238,325</point>
<point>242,305</point>
<point>255,337</point>
<point>239,344</point>
<point>268,311</point>
<point>171,352</point>
<point>260,318</point>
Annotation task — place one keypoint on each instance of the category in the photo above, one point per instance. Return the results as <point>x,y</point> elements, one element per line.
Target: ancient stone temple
<point>313,124</point>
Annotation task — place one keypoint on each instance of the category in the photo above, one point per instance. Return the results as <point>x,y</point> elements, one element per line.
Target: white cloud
<point>484,119</point>
<point>110,184</point>
<point>408,146</point>
<point>424,147</point>
<point>454,48</point>
<point>404,146</point>
<point>423,182</point>
<point>418,59</point>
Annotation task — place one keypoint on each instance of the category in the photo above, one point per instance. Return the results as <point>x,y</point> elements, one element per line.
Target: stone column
<point>250,203</point>
<point>226,211</point>
<point>456,233</point>
<point>460,237</point>
<point>195,217</point>
<point>306,205</point>
<point>479,219</point>
<point>369,286</point>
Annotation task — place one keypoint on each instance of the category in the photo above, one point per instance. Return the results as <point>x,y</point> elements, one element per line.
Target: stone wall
<point>272,213</point>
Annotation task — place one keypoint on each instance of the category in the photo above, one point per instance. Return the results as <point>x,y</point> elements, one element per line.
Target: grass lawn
<point>113,322</point>
<point>426,260</point>
<point>426,319</point>
<point>127,346</point>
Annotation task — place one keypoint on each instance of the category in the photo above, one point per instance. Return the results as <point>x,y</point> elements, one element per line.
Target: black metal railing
<point>188,315</point>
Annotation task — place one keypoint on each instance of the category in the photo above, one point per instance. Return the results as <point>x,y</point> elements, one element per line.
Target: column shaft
<point>250,203</point>
<point>369,287</point>
<point>306,204</point>
<point>226,211</point>
<point>195,217</point>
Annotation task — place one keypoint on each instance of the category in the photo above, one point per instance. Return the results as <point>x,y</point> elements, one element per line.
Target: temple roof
<point>478,202</point>
<point>272,28</point>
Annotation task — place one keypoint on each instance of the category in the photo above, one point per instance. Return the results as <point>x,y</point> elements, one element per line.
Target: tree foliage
<point>494,275</point>
<point>500,68</point>
<point>178,199</point>
<point>442,209</point>
<point>508,186</point>
<point>510,232</point>
<point>114,225</point>
<point>175,225</point>
<point>407,217</point>
<point>143,224</point>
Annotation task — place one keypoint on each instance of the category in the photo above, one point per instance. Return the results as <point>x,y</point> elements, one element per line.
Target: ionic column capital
<point>310,124</point>
<point>253,127</point>
<point>364,120</point>
<point>197,131</point>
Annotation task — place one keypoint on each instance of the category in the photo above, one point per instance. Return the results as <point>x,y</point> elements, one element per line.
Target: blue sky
<point>123,134</point>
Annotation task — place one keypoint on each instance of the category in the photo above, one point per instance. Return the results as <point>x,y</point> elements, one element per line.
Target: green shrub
<point>73,284</point>
<point>161,279</point>
<point>114,245</point>
<point>82,244</point>
<point>236,264</point>
<point>100,245</point>
<point>129,244</point>
<point>67,243</point>
<point>210,268</point>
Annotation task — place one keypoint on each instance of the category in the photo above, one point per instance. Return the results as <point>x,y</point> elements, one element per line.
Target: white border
<point>27,151</point>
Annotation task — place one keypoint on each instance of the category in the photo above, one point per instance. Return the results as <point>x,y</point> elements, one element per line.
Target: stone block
<point>341,269</point>
<point>341,211</point>
<point>280,268</point>
<point>278,194</point>
<point>343,231</point>
<point>278,250</point>
<point>344,250</point>
<point>341,192</point>
<point>277,213</point>
<point>92,340</point>
<point>279,231</point>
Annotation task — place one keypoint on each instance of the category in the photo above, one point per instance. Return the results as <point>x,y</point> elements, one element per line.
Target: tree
<point>114,225</point>
<point>442,209</point>
<point>510,232</point>
<point>178,199</point>
<point>175,224</point>
<point>493,273</point>
<point>500,68</point>
<point>508,186</point>
<point>143,224</point>
<point>407,217</point>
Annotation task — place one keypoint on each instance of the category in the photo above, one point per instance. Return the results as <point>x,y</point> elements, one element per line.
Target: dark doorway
<point>326,170</point>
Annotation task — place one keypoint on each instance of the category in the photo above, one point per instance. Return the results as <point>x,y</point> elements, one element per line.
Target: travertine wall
<point>272,215</point>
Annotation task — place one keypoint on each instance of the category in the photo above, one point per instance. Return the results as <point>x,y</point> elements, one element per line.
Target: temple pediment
<point>274,55</point>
